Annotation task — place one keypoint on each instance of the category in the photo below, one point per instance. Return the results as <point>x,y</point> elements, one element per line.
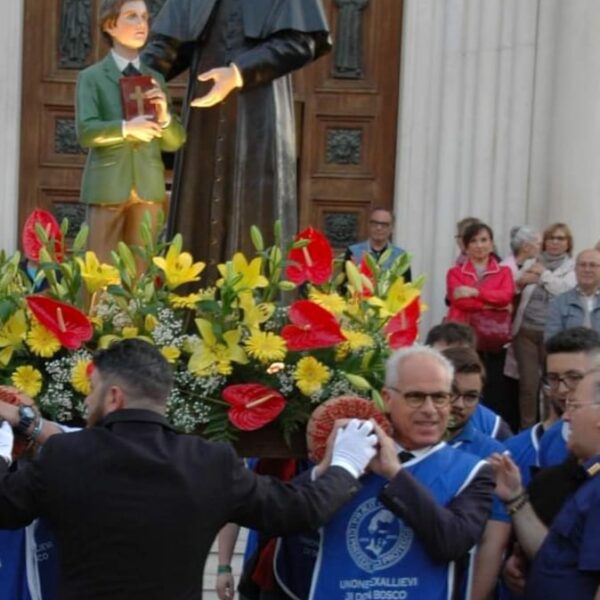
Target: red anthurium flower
<point>364,269</point>
<point>314,262</point>
<point>402,327</point>
<point>312,327</point>
<point>252,405</point>
<point>67,323</point>
<point>31,242</point>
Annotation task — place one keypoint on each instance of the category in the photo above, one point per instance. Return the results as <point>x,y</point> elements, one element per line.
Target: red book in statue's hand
<point>132,96</point>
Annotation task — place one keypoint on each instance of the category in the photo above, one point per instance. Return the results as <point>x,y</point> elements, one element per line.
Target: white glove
<point>6,441</point>
<point>354,447</point>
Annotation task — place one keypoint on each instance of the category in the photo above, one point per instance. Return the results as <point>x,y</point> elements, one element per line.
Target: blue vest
<point>486,420</point>
<point>366,552</point>
<point>553,445</point>
<point>13,566</point>
<point>524,449</point>
<point>359,250</point>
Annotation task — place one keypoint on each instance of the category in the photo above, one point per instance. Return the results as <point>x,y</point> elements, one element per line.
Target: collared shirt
<point>567,565</point>
<point>588,302</point>
<point>123,62</point>
<point>418,453</point>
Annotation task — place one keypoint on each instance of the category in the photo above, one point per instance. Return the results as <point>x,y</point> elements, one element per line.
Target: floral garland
<point>279,333</point>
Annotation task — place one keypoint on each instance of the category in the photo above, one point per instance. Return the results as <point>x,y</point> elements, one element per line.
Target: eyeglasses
<point>587,265</point>
<point>573,406</point>
<point>469,398</point>
<point>571,380</point>
<point>417,399</point>
<point>379,223</point>
<point>556,238</point>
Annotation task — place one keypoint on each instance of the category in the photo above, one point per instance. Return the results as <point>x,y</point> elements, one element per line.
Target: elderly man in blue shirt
<point>566,556</point>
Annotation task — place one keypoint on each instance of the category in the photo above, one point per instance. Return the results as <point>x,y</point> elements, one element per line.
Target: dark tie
<point>130,71</point>
<point>405,456</point>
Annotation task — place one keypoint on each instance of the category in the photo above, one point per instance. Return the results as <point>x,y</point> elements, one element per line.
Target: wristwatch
<point>27,415</point>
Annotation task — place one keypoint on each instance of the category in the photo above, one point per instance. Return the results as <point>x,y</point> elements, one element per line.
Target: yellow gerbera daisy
<point>332,302</point>
<point>80,379</point>
<point>357,339</point>
<point>28,380</point>
<point>188,301</point>
<point>310,375</point>
<point>266,346</point>
<point>171,353</point>
<point>42,341</point>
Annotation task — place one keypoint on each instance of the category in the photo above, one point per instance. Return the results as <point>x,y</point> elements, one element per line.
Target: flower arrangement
<point>279,333</point>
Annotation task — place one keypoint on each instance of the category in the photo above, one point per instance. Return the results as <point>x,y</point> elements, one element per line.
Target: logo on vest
<point>375,538</point>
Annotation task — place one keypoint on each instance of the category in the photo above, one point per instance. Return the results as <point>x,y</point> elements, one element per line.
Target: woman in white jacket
<point>552,274</point>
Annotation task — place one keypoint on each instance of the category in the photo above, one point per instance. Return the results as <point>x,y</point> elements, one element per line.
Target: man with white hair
<point>581,305</point>
<point>430,502</point>
<point>566,556</point>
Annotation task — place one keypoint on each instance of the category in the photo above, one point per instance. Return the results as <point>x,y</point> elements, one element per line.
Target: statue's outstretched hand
<point>225,81</point>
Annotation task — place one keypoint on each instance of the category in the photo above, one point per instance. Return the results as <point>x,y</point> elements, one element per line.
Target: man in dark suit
<point>135,506</point>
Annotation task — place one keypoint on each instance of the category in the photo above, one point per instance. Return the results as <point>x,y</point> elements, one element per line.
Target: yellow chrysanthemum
<point>310,375</point>
<point>266,346</point>
<point>332,302</point>
<point>12,335</point>
<point>188,301</point>
<point>178,267</point>
<point>28,380</point>
<point>249,271</point>
<point>80,379</point>
<point>42,341</point>
<point>355,340</point>
<point>97,275</point>
<point>171,353</point>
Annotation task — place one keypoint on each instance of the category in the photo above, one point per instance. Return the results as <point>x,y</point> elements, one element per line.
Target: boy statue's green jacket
<point>116,165</point>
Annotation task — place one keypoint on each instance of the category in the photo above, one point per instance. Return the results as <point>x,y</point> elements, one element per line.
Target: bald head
<point>587,270</point>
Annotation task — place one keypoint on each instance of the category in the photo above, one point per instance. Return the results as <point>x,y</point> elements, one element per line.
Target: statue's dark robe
<point>238,166</point>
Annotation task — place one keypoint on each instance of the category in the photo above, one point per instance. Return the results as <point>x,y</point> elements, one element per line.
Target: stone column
<point>464,134</point>
<point>11,34</point>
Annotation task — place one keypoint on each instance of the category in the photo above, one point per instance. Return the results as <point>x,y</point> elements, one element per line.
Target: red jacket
<point>496,288</point>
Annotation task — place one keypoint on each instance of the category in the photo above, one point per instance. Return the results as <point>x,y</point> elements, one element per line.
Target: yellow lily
<point>97,275</point>
<point>399,296</point>
<point>250,271</point>
<point>178,267</point>
<point>255,314</point>
<point>12,335</point>
<point>211,356</point>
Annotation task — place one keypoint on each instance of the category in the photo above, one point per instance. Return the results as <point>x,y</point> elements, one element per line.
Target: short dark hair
<point>464,223</point>
<point>465,360</point>
<point>575,339</point>
<point>472,230</point>
<point>454,333</point>
<point>108,14</point>
<point>382,208</point>
<point>139,367</point>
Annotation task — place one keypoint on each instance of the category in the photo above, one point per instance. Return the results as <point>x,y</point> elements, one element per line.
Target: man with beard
<point>469,379</point>
<point>238,167</point>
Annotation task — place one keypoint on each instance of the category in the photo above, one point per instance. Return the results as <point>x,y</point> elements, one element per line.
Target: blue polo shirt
<point>567,564</point>
<point>524,449</point>
<point>553,445</point>
<point>473,441</point>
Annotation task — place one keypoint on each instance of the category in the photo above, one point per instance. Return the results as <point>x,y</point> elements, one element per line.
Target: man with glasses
<point>469,379</point>
<point>565,556</point>
<point>381,221</point>
<point>425,504</point>
<point>581,305</point>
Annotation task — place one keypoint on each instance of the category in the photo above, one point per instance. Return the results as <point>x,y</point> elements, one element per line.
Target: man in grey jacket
<point>581,305</point>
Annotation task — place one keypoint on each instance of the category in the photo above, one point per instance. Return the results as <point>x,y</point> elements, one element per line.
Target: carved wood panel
<point>349,124</point>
